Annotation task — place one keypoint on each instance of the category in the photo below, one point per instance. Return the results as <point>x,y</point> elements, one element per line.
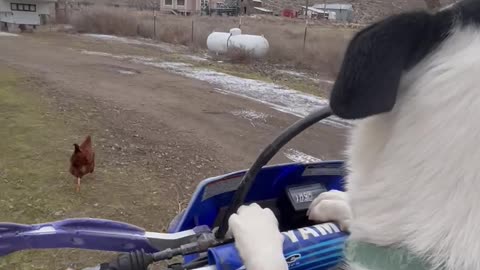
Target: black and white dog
<point>413,189</point>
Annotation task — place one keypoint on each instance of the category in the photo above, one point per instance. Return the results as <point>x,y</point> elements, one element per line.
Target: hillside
<point>365,10</point>
<point>371,10</point>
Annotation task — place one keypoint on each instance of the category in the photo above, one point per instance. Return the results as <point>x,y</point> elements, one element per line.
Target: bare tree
<point>433,4</point>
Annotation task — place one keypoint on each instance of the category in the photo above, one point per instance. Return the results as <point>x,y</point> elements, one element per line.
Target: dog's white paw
<point>331,206</point>
<point>257,238</point>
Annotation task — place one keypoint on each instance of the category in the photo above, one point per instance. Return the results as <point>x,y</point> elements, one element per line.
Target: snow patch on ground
<point>293,73</point>
<point>251,116</point>
<point>145,42</point>
<point>126,72</point>
<point>303,75</point>
<point>121,57</point>
<point>195,58</point>
<point>323,81</point>
<point>5,34</point>
<point>298,156</point>
<point>275,96</point>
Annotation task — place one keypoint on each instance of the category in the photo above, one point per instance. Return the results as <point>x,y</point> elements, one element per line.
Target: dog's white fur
<point>414,178</point>
<point>414,173</point>
<point>257,238</point>
<point>332,205</point>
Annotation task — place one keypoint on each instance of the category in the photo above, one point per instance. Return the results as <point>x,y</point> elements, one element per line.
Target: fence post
<point>154,23</point>
<point>305,37</point>
<point>306,26</point>
<point>192,31</point>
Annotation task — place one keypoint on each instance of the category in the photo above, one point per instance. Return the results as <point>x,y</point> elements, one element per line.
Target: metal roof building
<point>343,12</point>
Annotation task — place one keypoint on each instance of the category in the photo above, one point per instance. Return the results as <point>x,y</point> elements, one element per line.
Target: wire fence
<point>304,43</point>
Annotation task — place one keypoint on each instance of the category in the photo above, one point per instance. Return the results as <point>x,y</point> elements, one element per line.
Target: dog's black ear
<point>375,60</point>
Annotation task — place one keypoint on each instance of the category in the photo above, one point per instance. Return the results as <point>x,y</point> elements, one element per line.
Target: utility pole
<point>324,8</point>
<point>154,22</point>
<point>192,38</point>
<point>306,26</point>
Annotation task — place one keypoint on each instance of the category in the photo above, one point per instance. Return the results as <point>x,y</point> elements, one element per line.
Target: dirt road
<point>160,132</point>
<point>187,107</point>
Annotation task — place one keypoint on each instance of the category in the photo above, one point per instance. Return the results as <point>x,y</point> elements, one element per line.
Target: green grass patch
<point>36,187</point>
<point>32,164</point>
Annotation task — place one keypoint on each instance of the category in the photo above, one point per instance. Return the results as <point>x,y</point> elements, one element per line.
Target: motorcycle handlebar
<point>114,266</point>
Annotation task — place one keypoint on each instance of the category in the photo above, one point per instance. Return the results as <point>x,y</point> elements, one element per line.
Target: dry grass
<point>239,56</point>
<point>103,20</point>
<point>324,46</point>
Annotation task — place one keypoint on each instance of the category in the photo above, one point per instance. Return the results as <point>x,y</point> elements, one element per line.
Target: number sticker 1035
<point>301,196</point>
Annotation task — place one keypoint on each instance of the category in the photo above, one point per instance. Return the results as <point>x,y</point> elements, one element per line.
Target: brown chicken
<point>82,161</point>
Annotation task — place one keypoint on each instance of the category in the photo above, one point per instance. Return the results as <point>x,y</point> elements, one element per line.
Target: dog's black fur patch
<point>469,12</point>
<point>377,57</point>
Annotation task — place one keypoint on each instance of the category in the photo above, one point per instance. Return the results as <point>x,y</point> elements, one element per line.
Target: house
<point>341,12</point>
<point>315,13</point>
<point>25,12</point>
<point>185,7</point>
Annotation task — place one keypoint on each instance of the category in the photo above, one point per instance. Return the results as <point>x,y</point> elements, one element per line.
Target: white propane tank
<point>235,31</point>
<point>219,42</point>
<point>332,16</point>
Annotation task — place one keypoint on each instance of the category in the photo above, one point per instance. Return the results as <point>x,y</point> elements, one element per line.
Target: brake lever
<point>141,260</point>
